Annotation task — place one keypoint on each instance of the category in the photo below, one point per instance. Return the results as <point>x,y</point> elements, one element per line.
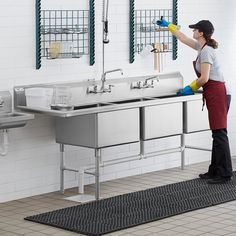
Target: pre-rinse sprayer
<point>105,21</point>
<point>104,88</point>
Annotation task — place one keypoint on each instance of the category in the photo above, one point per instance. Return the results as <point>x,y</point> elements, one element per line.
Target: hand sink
<point>14,119</point>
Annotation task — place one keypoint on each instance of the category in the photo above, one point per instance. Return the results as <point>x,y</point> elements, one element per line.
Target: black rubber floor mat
<point>124,211</point>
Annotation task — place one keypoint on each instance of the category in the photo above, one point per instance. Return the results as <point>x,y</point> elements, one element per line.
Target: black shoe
<point>219,180</point>
<point>205,176</point>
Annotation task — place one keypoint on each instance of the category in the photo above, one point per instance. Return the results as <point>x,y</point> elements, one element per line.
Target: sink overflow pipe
<point>5,143</point>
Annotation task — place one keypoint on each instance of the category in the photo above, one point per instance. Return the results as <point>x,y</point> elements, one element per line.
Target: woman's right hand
<point>163,23</point>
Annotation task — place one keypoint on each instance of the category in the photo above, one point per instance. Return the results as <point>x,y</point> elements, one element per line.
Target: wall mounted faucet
<point>104,78</point>
<point>148,83</point>
<point>103,88</point>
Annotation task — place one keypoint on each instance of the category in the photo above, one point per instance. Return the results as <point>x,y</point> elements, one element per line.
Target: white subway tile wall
<point>32,164</point>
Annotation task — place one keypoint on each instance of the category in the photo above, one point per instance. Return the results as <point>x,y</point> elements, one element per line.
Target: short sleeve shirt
<point>207,55</point>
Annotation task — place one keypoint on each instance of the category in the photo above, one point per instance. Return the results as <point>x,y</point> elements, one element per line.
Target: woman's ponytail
<point>211,42</point>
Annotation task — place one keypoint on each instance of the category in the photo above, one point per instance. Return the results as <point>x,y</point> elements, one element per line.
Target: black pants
<point>221,164</point>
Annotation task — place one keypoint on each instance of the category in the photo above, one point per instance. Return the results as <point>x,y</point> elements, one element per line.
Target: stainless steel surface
<point>97,172</point>
<point>198,148</point>
<point>183,146</point>
<point>112,106</point>
<point>8,118</point>
<point>193,122</point>
<point>168,84</point>
<point>161,120</point>
<point>99,130</point>
<point>62,166</point>
<point>62,107</point>
<point>14,120</point>
<point>107,119</point>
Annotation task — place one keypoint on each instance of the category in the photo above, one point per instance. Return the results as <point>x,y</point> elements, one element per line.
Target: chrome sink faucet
<point>148,83</point>
<point>1,102</point>
<point>151,78</point>
<point>103,87</point>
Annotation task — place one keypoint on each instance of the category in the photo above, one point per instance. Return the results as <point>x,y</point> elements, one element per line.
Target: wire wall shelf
<point>148,33</point>
<point>64,33</point>
<point>144,31</point>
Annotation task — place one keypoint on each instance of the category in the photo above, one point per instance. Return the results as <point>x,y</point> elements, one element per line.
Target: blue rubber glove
<point>163,23</point>
<point>186,91</point>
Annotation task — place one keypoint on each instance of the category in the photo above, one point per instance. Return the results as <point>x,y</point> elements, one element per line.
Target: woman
<point>210,78</point>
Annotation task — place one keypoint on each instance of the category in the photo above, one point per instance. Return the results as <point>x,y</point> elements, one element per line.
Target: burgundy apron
<point>214,93</point>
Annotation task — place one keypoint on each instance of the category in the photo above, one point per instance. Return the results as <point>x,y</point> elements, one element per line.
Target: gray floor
<point>216,220</point>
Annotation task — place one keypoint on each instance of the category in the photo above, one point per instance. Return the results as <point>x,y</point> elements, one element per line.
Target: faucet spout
<point>104,77</point>
<point>110,71</point>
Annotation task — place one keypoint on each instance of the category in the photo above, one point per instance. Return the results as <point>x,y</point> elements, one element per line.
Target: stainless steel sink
<point>9,119</point>
<point>157,120</point>
<point>99,130</point>
<point>193,122</point>
<point>134,100</point>
<point>14,120</point>
<point>91,106</point>
<point>169,96</point>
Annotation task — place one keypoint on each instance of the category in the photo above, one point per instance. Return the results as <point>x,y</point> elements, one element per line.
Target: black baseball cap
<point>204,26</point>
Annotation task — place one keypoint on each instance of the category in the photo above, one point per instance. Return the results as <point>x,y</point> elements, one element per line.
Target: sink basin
<point>91,106</point>
<point>14,119</point>
<point>134,100</point>
<point>169,96</point>
<point>100,129</point>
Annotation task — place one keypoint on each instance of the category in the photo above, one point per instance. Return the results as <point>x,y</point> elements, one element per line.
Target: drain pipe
<point>4,147</point>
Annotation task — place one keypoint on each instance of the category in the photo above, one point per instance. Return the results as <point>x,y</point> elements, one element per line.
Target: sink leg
<point>97,169</point>
<point>62,167</point>
<point>182,151</point>
<point>142,152</point>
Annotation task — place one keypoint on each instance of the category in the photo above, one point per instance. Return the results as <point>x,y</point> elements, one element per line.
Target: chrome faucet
<point>151,78</point>
<point>1,102</point>
<point>104,77</point>
<point>103,88</point>
<point>145,84</point>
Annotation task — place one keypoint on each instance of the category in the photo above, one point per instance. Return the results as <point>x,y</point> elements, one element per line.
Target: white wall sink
<point>14,119</point>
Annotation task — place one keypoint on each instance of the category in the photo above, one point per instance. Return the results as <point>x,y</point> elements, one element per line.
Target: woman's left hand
<point>186,91</point>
